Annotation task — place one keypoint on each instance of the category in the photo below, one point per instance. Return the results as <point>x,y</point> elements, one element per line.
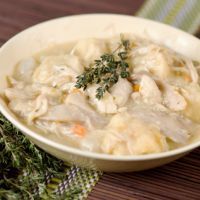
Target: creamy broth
<point>155,109</point>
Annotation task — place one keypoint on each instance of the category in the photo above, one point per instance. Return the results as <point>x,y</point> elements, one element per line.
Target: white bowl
<point>72,28</point>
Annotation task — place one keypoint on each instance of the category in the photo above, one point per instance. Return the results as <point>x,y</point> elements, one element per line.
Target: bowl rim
<point>68,149</point>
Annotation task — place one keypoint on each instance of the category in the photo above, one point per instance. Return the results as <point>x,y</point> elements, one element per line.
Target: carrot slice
<point>136,88</point>
<point>79,130</point>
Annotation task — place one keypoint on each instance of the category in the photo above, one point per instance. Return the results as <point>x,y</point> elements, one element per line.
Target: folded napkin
<point>73,182</point>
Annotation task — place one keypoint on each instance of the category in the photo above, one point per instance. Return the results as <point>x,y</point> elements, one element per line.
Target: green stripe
<point>151,12</point>
<point>156,9</point>
<point>172,14</point>
<point>189,19</point>
<point>146,8</point>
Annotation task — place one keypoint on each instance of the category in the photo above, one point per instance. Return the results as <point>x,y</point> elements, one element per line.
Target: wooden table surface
<point>178,180</point>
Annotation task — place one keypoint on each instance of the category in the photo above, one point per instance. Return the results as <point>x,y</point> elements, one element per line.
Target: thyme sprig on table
<point>106,70</point>
<point>23,166</point>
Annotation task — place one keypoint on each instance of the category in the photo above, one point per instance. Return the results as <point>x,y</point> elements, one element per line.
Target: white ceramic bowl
<point>72,28</point>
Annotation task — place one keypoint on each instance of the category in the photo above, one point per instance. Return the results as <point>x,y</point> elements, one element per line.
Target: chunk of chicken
<point>153,61</point>
<point>40,108</point>
<point>129,136</point>
<point>78,99</point>
<point>89,50</point>
<point>149,90</point>
<point>121,91</point>
<point>21,107</point>
<point>29,109</point>
<point>22,92</point>
<point>58,70</point>
<point>53,95</point>
<point>172,98</point>
<point>28,92</point>
<point>64,113</point>
<point>25,69</point>
<point>105,105</point>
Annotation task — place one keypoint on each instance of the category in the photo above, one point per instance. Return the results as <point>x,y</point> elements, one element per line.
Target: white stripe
<point>185,10</point>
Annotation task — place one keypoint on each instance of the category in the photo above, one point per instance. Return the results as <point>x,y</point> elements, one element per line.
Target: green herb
<point>106,70</point>
<point>23,166</point>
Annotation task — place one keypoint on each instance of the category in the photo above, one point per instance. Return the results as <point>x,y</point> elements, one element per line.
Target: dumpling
<point>173,125</point>
<point>126,135</point>
<point>89,50</point>
<point>58,70</point>
<point>92,141</point>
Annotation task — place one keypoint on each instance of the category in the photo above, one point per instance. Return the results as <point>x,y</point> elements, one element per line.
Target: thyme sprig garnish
<point>23,166</point>
<point>106,71</point>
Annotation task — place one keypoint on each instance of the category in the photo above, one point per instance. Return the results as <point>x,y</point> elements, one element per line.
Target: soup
<point>123,95</point>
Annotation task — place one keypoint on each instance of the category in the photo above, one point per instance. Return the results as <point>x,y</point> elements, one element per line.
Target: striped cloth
<point>184,14</point>
<point>78,182</point>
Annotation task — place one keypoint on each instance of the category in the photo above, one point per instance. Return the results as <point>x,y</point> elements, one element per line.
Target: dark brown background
<point>178,180</point>
<point>16,15</point>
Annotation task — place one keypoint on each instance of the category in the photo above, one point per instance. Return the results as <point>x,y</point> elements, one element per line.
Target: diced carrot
<point>187,78</point>
<point>79,130</point>
<point>75,90</point>
<point>184,75</point>
<point>136,87</point>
